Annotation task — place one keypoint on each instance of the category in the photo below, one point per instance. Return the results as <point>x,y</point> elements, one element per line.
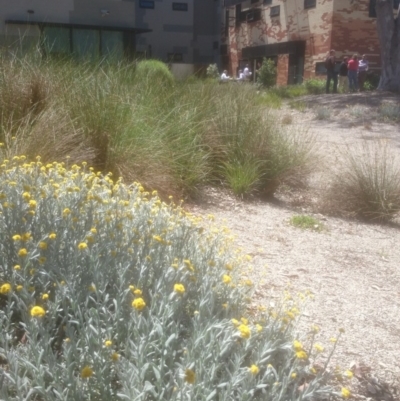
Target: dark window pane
<point>57,40</point>
<point>112,44</point>
<point>310,3</point>
<point>86,43</point>
<point>267,2</point>
<point>275,11</point>
<point>146,4</point>
<point>179,6</point>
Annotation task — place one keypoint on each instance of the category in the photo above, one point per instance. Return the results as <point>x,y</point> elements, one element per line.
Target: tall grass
<point>135,121</point>
<point>369,184</point>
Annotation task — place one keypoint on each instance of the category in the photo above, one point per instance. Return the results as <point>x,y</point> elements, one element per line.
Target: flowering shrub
<point>107,293</point>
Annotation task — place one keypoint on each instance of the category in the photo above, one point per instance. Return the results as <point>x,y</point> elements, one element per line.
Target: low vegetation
<point>137,122</point>
<point>306,222</point>
<point>368,184</point>
<point>107,293</point>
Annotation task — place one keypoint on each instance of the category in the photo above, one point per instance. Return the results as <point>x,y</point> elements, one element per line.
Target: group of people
<point>352,73</point>
<point>244,75</point>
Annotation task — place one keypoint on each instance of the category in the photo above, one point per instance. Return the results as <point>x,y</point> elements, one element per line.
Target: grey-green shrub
<point>106,293</point>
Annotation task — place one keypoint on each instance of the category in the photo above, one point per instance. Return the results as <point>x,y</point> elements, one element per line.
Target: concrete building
<point>185,31</point>
<point>298,34</point>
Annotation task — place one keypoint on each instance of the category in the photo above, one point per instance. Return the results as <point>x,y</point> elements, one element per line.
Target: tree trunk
<point>389,37</point>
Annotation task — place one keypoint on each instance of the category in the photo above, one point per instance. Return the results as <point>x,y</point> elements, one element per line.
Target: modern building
<point>186,31</point>
<point>298,34</point>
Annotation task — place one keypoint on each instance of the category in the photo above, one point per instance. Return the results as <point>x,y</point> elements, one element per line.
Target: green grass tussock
<point>136,122</point>
<point>369,185</point>
<point>306,222</point>
<point>107,293</point>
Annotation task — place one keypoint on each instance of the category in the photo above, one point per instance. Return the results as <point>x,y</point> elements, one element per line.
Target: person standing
<point>362,72</point>
<point>330,72</point>
<point>343,80</point>
<point>352,69</point>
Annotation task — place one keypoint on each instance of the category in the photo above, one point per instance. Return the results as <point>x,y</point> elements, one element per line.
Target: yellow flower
<point>132,288</point>
<point>19,287</point>
<point>26,237</point>
<point>190,376</point>
<point>315,328</point>
<point>318,347</point>
<point>254,369</point>
<point>66,212</point>
<point>26,196</point>
<point>235,322</point>
<point>37,311</point>
<point>22,252</point>
<point>42,245</point>
<point>52,236</point>
<point>32,204</point>
<point>17,267</point>
<point>5,289</point>
<point>139,304</point>
<point>245,331</point>
<point>93,230</point>
<point>179,288</point>
<point>108,343</point>
<point>297,345</point>
<point>259,328</point>
<point>244,320</point>
<point>86,372</point>
<point>82,246</point>
<point>42,260</point>
<point>45,297</point>
<point>293,375</point>
<point>349,374</point>
<point>226,279</point>
<point>333,339</point>
<point>137,292</point>
<point>114,356</point>
<point>16,237</point>
<point>345,392</point>
<point>301,355</point>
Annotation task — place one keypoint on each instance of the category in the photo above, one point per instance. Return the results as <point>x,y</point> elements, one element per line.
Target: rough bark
<point>388,24</point>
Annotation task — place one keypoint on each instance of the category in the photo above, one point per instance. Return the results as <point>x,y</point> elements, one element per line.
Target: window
<point>215,45</point>
<point>275,11</point>
<point>254,1</point>
<point>320,68</point>
<point>267,2</point>
<point>146,4</point>
<point>180,6</point>
<point>310,4</point>
<point>252,15</point>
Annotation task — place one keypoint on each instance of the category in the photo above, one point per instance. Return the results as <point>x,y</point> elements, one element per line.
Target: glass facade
<point>85,43</point>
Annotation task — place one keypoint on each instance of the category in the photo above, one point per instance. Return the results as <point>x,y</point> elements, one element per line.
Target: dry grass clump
<point>368,185</point>
<point>171,136</point>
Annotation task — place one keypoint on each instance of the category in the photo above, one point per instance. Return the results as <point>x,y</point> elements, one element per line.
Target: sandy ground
<point>353,268</point>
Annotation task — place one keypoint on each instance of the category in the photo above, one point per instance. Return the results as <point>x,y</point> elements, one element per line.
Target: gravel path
<point>353,268</point>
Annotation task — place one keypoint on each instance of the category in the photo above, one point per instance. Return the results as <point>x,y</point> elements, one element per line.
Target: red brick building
<point>298,34</point>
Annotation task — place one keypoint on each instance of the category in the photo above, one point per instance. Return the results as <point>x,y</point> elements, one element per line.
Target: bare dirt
<point>352,267</point>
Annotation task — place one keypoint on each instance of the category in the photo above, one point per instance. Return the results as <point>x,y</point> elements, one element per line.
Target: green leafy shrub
<point>107,293</point>
<point>315,86</point>
<point>212,71</point>
<point>154,73</point>
<point>266,76</point>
